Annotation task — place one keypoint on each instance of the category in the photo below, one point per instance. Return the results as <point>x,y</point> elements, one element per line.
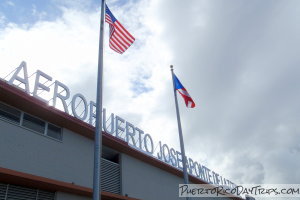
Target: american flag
<point>119,38</point>
<point>184,93</point>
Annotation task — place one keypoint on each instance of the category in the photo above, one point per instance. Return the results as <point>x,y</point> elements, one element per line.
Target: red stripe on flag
<point>125,41</point>
<point>123,29</point>
<point>120,41</point>
<point>117,41</point>
<point>124,34</point>
<point>116,44</point>
<point>113,48</point>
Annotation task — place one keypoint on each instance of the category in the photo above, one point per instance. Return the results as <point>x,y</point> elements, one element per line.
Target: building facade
<point>46,154</point>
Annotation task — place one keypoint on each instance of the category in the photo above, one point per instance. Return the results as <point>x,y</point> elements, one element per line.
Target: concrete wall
<point>147,182</point>
<point>24,150</point>
<point>72,161</point>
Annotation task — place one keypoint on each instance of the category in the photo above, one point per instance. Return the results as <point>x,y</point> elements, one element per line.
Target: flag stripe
<point>121,42</point>
<point>114,48</point>
<point>124,32</point>
<point>108,19</point>
<point>184,93</point>
<point>126,43</point>
<point>124,36</point>
<point>117,43</point>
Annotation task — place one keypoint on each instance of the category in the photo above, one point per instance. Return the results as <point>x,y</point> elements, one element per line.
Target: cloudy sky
<point>238,59</point>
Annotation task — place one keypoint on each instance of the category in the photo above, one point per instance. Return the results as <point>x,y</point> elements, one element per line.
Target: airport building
<point>47,154</point>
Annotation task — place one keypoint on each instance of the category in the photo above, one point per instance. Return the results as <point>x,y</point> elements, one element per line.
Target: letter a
<point>20,79</point>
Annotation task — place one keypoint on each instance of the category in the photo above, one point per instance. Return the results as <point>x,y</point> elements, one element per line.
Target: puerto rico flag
<point>119,38</point>
<point>184,93</point>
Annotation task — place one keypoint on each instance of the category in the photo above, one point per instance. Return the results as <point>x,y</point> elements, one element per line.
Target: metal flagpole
<point>98,130</point>
<point>185,174</point>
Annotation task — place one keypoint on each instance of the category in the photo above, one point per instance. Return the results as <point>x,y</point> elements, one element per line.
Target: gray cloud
<point>239,60</point>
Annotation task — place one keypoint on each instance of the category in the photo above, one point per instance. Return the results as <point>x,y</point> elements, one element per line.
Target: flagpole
<point>98,129</point>
<point>184,161</point>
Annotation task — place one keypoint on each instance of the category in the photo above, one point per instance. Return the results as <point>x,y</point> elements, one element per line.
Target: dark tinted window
<point>10,113</point>
<point>33,123</point>
<point>54,132</point>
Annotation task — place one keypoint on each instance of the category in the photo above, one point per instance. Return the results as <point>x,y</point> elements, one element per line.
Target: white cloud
<point>40,15</point>
<point>10,3</point>
<point>67,49</point>
<point>2,19</point>
<point>240,64</point>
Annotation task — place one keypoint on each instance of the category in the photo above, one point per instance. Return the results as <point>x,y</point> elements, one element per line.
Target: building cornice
<point>28,180</point>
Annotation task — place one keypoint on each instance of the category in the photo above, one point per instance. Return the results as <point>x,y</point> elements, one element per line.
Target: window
<point>20,118</point>
<point>10,113</point>
<point>54,132</point>
<point>33,123</point>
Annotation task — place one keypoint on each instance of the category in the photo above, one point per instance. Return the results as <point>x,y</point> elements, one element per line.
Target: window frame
<point>20,124</point>
<point>61,131</point>
<point>8,119</point>
<point>43,133</point>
